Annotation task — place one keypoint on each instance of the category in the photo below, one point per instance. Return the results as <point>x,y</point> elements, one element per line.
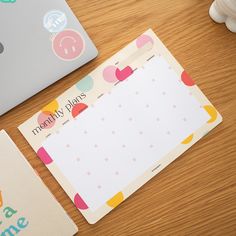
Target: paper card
<point>182,116</point>
<point>26,205</point>
<point>126,132</point>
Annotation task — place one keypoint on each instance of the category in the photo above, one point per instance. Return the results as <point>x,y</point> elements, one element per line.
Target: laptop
<point>40,42</point>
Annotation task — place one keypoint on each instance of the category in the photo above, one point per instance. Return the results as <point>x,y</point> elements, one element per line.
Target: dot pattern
<point>138,129</point>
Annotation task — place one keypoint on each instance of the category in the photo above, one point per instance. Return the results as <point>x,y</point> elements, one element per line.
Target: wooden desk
<point>196,194</point>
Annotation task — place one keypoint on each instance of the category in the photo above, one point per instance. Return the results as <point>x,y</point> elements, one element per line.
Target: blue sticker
<point>55,21</point>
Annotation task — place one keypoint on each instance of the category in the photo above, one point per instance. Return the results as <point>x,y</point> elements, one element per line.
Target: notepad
<point>136,113</point>
<point>26,205</point>
<point>126,132</point>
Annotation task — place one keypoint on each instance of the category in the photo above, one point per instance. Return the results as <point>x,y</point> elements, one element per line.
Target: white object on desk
<point>126,132</point>
<point>224,11</point>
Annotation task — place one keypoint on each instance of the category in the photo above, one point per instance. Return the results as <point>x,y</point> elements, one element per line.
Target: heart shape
<point>123,74</point>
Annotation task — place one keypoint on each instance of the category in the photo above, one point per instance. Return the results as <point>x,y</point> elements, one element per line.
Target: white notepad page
<point>126,132</point>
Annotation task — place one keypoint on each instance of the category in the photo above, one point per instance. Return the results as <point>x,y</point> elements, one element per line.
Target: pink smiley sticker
<point>68,45</point>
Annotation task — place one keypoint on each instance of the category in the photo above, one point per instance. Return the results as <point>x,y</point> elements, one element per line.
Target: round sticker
<point>55,21</point>
<point>68,45</point>
<point>1,48</point>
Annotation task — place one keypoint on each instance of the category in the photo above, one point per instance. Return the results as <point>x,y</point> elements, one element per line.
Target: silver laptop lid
<point>40,42</point>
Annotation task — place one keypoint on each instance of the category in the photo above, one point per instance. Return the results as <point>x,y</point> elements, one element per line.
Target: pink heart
<point>123,74</point>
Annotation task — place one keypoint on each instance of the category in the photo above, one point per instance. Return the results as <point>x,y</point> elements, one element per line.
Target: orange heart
<point>1,200</point>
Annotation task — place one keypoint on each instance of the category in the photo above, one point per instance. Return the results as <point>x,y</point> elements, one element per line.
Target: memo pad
<point>132,116</point>
<point>125,133</point>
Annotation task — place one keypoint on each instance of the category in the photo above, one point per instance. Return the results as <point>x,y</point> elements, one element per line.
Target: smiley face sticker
<point>68,45</point>
<point>55,21</point>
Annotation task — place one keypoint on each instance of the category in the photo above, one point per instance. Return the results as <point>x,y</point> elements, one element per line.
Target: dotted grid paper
<point>126,132</point>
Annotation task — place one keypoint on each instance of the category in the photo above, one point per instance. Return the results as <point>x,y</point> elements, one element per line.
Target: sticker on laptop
<point>67,44</point>
<point>55,21</point>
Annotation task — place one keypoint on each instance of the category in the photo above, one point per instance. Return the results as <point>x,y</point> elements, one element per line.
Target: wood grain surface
<point>196,194</point>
